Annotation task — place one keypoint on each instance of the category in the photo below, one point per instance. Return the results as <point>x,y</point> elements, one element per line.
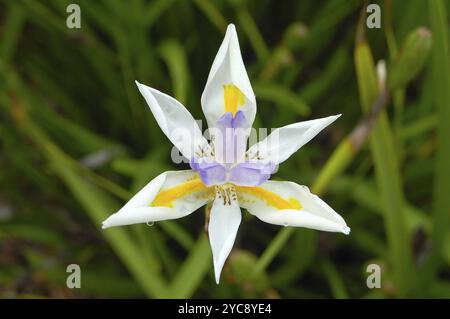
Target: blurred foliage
<point>77,140</point>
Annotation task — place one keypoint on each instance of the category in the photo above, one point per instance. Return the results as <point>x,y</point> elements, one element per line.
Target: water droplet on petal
<point>305,188</point>
<point>150,224</point>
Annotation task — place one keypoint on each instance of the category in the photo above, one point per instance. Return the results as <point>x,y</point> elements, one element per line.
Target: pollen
<point>233,98</point>
<point>271,198</point>
<point>167,196</point>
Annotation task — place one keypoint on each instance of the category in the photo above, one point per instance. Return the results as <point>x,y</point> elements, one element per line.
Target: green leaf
<point>99,205</point>
<point>410,59</point>
<point>174,55</point>
<point>192,271</point>
<point>281,96</point>
<point>440,69</point>
<point>386,171</point>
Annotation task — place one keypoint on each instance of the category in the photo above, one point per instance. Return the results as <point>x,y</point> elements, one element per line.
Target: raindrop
<point>305,188</point>
<point>150,224</point>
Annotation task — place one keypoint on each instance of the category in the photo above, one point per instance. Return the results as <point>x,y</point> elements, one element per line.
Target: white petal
<point>223,226</point>
<point>286,140</point>
<point>175,121</point>
<point>227,68</point>
<point>139,209</point>
<point>314,213</point>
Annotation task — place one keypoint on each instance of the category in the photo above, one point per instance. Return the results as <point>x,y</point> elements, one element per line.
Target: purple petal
<point>251,173</point>
<point>225,121</point>
<point>231,138</point>
<point>239,121</point>
<point>211,173</point>
<point>228,121</point>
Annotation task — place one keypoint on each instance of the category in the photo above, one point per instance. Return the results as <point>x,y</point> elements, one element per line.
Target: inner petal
<point>251,173</point>
<point>211,172</point>
<point>230,138</point>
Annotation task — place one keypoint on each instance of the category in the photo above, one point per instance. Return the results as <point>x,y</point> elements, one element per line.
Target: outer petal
<point>286,140</point>
<point>227,68</point>
<point>175,121</point>
<point>223,226</point>
<point>307,210</point>
<point>187,197</point>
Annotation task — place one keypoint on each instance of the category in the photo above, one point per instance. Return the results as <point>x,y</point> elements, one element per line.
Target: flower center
<point>226,192</point>
<point>229,139</point>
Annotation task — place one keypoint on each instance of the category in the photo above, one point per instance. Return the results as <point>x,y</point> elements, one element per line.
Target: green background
<point>77,140</point>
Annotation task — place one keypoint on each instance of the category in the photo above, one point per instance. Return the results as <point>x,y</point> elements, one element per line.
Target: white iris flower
<point>223,172</point>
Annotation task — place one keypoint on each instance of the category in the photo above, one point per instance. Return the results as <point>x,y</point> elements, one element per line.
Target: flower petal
<point>228,74</point>
<point>211,172</point>
<point>251,173</point>
<point>175,121</point>
<point>289,204</point>
<point>286,140</point>
<point>222,229</point>
<point>170,195</point>
<point>230,138</point>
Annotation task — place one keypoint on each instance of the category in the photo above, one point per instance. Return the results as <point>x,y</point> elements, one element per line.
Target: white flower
<point>223,172</point>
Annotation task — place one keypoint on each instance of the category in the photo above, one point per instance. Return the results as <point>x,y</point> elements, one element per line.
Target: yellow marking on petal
<point>271,198</point>
<point>295,203</point>
<point>167,196</point>
<point>233,98</point>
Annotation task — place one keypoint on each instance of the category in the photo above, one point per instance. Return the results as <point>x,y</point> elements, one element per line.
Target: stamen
<point>233,98</point>
<point>270,198</point>
<point>168,196</point>
<point>227,193</point>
